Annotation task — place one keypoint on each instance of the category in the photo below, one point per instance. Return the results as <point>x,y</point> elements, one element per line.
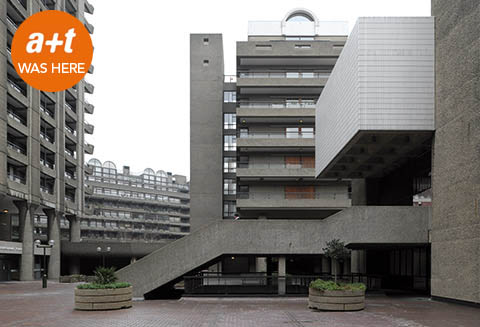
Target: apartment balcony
<point>91,69</point>
<point>300,200</point>
<point>89,8</point>
<point>88,189</point>
<point>88,26</point>
<point>47,168</point>
<point>20,7</point>
<point>275,140</point>
<point>17,152</point>
<point>88,148</point>
<point>270,109</point>
<point>88,128</point>
<point>71,179</point>
<point>302,52</point>
<point>71,133</point>
<point>88,169</point>
<point>48,196</point>
<point>18,122</point>
<point>276,171</point>
<point>89,108</point>
<point>292,82</point>
<point>18,90</point>
<point>88,87</point>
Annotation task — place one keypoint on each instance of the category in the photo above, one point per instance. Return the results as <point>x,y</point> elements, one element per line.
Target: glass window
<point>229,164</point>
<point>229,186</point>
<point>229,121</point>
<point>230,143</point>
<point>229,208</point>
<point>229,96</point>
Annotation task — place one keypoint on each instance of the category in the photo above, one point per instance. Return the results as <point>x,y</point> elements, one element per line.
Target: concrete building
<point>256,133</point>
<point>41,153</point>
<point>131,214</point>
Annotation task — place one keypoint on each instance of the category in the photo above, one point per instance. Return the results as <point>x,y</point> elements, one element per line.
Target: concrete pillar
<point>326,267</point>
<point>74,228</point>
<point>261,264</point>
<point>25,218</point>
<point>54,234</point>
<point>282,272</point>
<point>354,261</point>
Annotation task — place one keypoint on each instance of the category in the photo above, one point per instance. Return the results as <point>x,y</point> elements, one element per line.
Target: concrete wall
<point>456,169</point>
<point>206,125</point>
<point>383,80</point>
<point>262,237</point>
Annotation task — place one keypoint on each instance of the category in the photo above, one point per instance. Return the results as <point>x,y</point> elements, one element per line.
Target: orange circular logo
<point>52,51</point>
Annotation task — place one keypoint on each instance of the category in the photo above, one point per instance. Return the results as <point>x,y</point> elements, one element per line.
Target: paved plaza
<point>27,304</point>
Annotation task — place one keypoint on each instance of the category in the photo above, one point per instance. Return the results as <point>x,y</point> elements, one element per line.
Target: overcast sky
<point>141,64</point>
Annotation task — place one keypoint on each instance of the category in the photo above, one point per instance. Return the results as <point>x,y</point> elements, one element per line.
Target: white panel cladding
<point>383,80</point>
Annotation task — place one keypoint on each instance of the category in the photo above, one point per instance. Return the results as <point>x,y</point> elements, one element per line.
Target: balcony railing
<point>277,135</point>
<point>46,189</point>
<point>71,153</point>
<point>47,138</point>
<point>283,74</point>
<point>277,165</point>
<point>70,107</point>
<point>46,111</point>
<point>276,104</point>
<point>16,148</point>
<point>47,164</point>
<point>292,195</point>
<point>70,130</point>
<point>70,176</point>
<point>16,117</point>
<point>69,198</point>
<point>17,87</point>
<point>17,178</point>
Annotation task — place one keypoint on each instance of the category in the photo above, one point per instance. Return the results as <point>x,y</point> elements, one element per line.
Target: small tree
<point>104,275</point>
<point>335,249</point>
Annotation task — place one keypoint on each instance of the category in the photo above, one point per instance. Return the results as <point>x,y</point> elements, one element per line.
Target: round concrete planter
<point>103,299</point>
<point>336,300</point>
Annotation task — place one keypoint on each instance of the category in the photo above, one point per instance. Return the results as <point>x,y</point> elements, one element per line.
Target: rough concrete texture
<point>353,225</point>
<point>26,304</point>
<point>456,172</point>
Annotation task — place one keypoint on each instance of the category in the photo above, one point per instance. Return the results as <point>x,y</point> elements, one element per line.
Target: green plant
<point>94,286</point>
<point>105,275</point>
<point>323,285</point>
<point>335,249</point>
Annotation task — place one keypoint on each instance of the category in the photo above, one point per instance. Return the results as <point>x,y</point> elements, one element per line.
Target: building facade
<point>125,207</point>
<point>41,154</point>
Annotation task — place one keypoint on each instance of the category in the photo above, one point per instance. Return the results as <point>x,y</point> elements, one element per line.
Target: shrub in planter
<point>332,296</point>
<point>103,294</point>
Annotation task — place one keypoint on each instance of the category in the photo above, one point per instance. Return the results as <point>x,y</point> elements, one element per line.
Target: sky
<point>141,61</point>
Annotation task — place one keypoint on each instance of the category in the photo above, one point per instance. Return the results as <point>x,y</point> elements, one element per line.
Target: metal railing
<point>258,195</point>
<point>283,74</point>
<point>16,117</point>
<point>16,148</point>
<point>71,153</point>
<point>17,178</point>
<point>47,164</point>
<point>17,87</point>
<point>277,165</point>
<point>261,283</point>
<point>47,138</point>
<point>70,130</point>
<point>46,111</point>
<point>47,190</point>
<point>277,135</point>
<point>70,176</point>
<point>276,104</point>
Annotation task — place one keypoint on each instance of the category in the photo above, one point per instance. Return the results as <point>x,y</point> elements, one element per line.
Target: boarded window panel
<point>299,192</point>
<point>293,162</point>
<point>308,162</point>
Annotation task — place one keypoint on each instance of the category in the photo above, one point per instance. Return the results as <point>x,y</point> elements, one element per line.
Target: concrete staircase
<point>359,224</point>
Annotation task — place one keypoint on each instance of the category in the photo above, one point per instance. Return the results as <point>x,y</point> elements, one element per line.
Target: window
<point>229,96</point>
<point>230,143</point>
<point>205,41</point>
<point>229,164</point>
<point>229,208</point>
<point>299,192</point>
<point>299,162</point>
<point>229,186</point>
<point>205,63</point>
<point>229,121</point>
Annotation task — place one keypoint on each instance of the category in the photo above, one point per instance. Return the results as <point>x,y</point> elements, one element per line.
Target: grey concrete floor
<point>27,304</point>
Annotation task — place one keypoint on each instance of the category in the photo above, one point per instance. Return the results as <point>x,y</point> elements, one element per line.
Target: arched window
<point>95,162</point>
<point>300,17</point>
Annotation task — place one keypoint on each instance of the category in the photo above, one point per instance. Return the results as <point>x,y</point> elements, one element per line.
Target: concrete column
<point>354,264</point>
<point>74,228</point>
<point>282,271</point>
<point>326,267</point>
<point>261,264</point>
<point>54,234</point>
<point>25,217</point>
